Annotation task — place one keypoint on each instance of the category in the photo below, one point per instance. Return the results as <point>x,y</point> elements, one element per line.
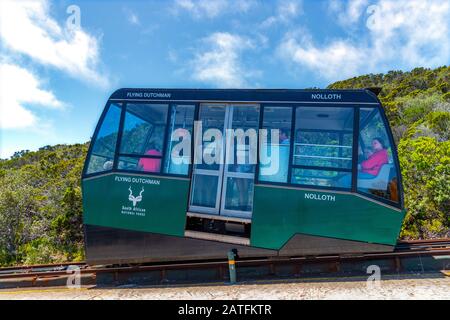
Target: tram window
<point>144,128</point>
<point>181,117</point>
<point>143,137</point>
<point>102,154</point>
<point>323,145</point>
<point>322,178</point>
<point>273,168</point>
<point>377,174</point>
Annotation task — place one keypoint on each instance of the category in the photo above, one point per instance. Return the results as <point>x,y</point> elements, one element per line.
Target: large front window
<point>150,135</point>
<point>141,147</point>
<point>101,158</point>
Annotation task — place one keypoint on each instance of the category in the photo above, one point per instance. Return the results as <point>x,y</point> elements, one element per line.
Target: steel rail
<point>224,263</point>
<point>25,269</point>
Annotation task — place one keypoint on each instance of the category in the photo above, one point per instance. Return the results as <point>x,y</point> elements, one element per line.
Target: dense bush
<point>40,206</point>
<point>425,165</point>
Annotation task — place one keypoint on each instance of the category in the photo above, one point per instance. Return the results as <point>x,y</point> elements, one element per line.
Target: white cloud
<point>289,8</point>
<point>19,88</point>
<point>27,28</point>
<point>400,34</point>
<point>285,12</point>
<point>348,12</point>
<point>338,59</point>
<point>211,8</point>
<point>417,31</point>
<point>132,17</point>
<point>219,62</point>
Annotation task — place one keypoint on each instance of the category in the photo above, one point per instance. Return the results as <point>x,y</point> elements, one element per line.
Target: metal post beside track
<point>232,266</point>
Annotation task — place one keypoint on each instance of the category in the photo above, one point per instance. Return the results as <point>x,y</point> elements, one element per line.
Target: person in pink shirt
<point>376,160</point>
<point>369,168</point>
<point>150,164</point>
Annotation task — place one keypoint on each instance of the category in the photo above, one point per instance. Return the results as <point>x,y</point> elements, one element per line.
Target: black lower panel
<point>306,245</point>
<point>117,246</point>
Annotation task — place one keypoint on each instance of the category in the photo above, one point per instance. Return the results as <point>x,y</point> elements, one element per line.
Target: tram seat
<point>380,182</point>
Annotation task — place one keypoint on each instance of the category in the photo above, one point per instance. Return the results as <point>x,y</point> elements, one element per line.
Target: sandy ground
<point>433,286</point>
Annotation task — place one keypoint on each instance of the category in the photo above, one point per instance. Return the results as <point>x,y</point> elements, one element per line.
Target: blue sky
<point>55,78</point>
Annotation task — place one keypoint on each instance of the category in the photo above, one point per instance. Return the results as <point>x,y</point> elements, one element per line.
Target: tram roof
<point>347,96</point>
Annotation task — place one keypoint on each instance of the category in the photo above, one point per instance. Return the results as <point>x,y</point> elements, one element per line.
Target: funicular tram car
<point>335,188</point>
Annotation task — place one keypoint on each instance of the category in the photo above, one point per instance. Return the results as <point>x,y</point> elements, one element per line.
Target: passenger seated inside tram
<point>367,153</point>
<point>150,164</point>
<point>284,136</point>
<point>379,156</point>
<point>108,165</point>
<point>369,168</point>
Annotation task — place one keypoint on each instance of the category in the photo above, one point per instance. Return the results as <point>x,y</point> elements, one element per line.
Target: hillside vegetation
<point>40,194</point>
<point>40,206</point>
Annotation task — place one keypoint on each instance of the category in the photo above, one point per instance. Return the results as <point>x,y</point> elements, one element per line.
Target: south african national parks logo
<point>134,210</point>
<point>134,199</point>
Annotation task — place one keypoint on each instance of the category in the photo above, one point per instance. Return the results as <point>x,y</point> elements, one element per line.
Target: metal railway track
<point>40,267</point>
<point>421,244</point>
<point>417,249</point>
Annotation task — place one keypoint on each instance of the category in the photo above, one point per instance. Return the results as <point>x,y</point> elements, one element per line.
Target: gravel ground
<point>433,286</point>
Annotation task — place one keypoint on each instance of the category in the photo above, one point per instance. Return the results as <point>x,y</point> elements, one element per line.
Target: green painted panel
<point>160,209</point>
<point>280,213</point>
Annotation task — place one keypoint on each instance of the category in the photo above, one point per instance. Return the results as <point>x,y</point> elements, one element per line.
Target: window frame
<point>318,168</point>
<point>262,107</point>
<point>354,169</point>
<point>120,105</point>
<point>291,166</point>
<point>123,105</point>
<point>121,127</point>
<point>390,136</point>
<point>163,155</point>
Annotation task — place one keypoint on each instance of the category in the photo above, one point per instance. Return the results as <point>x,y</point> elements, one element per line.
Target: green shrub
<point>40,251</point>
<point>425,165</point>
<point>41,207</point>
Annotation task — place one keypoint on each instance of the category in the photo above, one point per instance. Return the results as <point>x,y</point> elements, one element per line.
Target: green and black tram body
<point>143,205</point>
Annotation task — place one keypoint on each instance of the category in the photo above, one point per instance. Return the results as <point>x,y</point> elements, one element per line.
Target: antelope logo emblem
<point>134,199</point>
